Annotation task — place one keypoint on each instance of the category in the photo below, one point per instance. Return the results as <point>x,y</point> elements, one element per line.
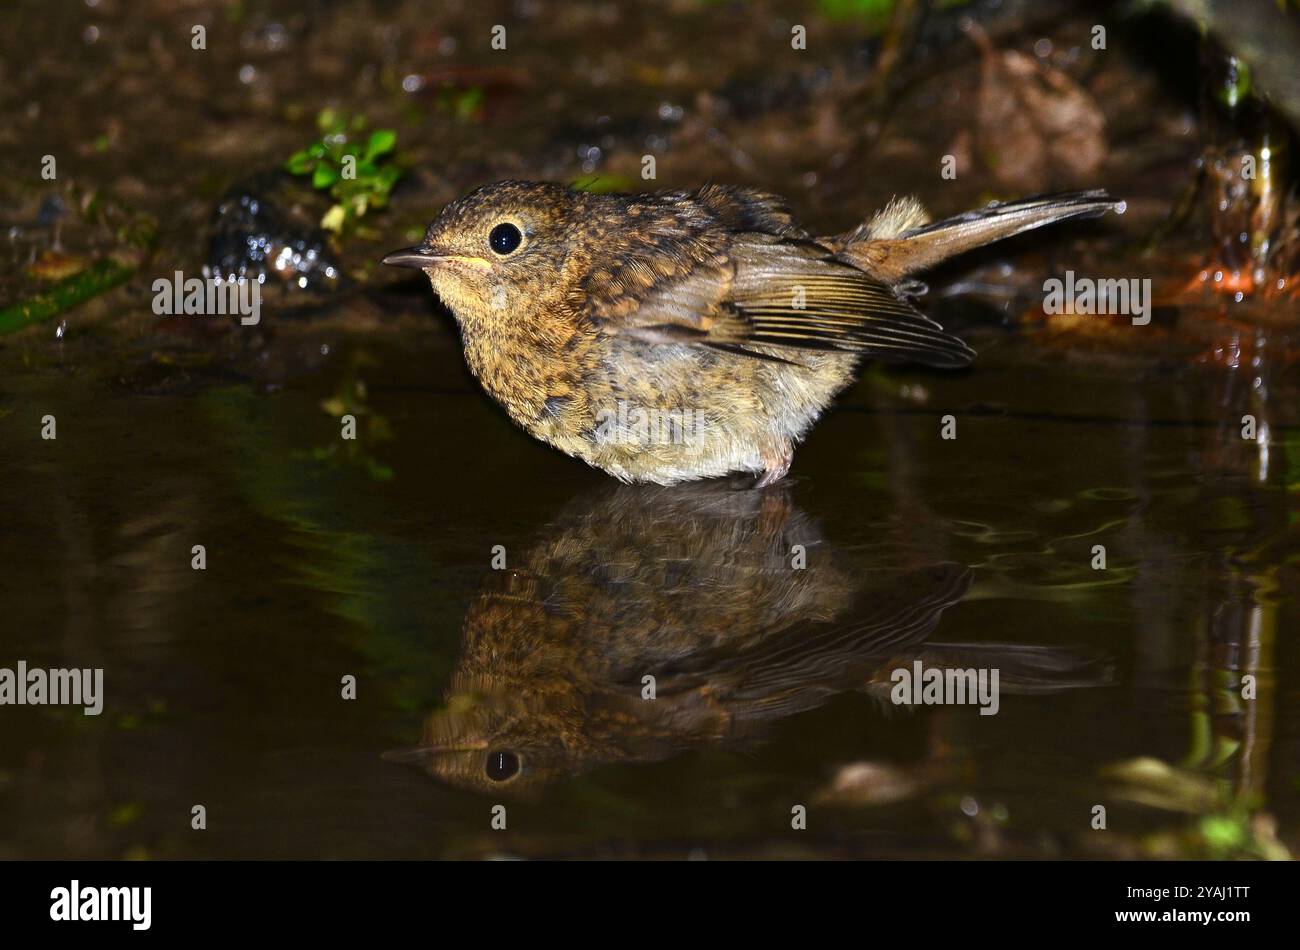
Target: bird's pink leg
<point>775,464</point>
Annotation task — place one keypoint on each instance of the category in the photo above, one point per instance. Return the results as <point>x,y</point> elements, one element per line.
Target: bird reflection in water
<point>729,599</point>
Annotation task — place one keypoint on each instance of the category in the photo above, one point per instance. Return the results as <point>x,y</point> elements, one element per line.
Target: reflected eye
<point>502,765</point>
<point>504,238</point>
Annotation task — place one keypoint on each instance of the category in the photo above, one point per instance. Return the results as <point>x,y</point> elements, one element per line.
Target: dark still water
<point>1151,694</point>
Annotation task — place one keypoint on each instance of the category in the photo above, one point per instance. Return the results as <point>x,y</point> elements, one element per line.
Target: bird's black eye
<point>502,765</point>
<point>504,238</point>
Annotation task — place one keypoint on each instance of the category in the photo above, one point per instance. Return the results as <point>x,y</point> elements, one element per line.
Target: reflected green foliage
<point>1219,826</point>
<point>359,569</point>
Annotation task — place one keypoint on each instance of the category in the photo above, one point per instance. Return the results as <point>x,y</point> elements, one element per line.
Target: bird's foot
<point>775,466</point>
<point>774,511</point>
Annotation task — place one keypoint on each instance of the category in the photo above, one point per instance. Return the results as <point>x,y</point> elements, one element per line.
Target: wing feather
<point>786,293</point>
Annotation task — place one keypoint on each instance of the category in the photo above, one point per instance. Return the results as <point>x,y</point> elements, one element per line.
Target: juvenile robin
<point>692,586</point>
<point>690,334</point>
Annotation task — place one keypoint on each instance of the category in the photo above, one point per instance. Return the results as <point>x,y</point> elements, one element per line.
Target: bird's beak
<point>422,753</point>
<point>417,257</point>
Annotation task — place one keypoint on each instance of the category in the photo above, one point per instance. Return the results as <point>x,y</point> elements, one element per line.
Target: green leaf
<point>469,102</point>
<point>381,142</point>
<point>324,176</point>
<point>300,163</point>
<point>328,121</point>
<point>876,11</point>
<point>1222,833</point>
<point>95,280</point>
<point>334,219</point>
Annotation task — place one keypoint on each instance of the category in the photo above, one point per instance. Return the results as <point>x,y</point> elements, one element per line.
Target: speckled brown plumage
<point>691,585</point>
<point>682,335</point>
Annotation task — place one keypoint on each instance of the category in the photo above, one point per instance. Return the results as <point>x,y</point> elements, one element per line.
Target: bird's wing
<point>738,208</point>
<point>797,668</point>
<point>763,294</point>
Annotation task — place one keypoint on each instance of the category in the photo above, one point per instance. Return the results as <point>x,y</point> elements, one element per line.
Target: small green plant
<point>874,11</point>
<point>357,170</point>
<point>463,103</point>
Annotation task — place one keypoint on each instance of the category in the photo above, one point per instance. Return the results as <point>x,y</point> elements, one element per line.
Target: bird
<point>680,335</point>
<point>691,585</point>
<point>696,587</point>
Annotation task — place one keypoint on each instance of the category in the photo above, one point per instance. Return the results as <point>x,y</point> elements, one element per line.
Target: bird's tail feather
<point>1026,668</point>
<point>896,257</point>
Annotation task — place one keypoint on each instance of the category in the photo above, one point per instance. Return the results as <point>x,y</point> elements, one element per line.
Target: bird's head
<point>495,253</point>
<point>489,740</point>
